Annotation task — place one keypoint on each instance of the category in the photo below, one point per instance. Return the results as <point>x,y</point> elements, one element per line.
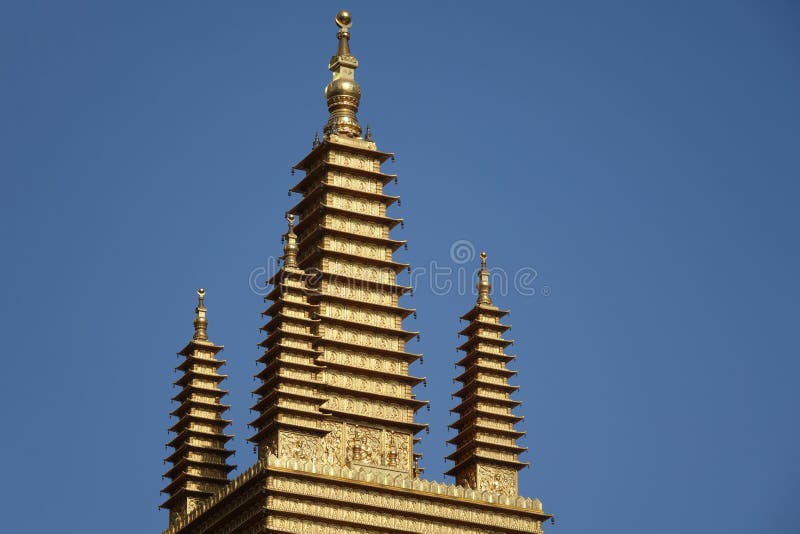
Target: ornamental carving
<point>495,438</point>
<point>396,452</point>
<point>351,203</point>
<point>363,444</point>
<point>395,510</point>
<point>357,183</point>
<point>489,362</point>
<point>358,382</point>
<point>367,408</point>
<point>365,339</point>
<point>348,290</point>
<point>494,379</point>
<point>356,226</point>
<point>352,160</point>
<point>492,393</point>
<point>297,446</point>
<point>497,479</point>
<point>332,445</point>
<point>364,360</point>
<point>491,423</point>
<point>358,248</point>
<point>491,407</point>
<point>485,347</point>
<point>361,315</point>
<point>370,273</point>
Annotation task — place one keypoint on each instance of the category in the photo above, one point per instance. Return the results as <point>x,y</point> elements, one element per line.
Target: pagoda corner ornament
<point>334,414</point>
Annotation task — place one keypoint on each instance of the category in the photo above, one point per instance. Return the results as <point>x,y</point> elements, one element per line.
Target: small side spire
<point>484,283</point>
<point>199,459</point>
<point>343,93</point>
<point>200,321</point>
<point>290,248</point>
<point>487,454</point>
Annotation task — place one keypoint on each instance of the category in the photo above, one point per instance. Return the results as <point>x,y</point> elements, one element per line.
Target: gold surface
<point>283,495</point>
<point>335,412</point>
<point>200,459</point>
<point>486,455</point>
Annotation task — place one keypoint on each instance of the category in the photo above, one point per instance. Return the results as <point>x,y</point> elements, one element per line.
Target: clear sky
<point>640,157</point>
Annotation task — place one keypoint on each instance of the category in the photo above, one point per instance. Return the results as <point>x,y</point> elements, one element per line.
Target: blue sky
<point>640,157</point>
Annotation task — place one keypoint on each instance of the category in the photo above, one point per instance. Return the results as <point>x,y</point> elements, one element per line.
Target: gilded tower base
<point>287,496</point>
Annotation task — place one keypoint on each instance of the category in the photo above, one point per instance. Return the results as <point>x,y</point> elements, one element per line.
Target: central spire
<point>343,93</point>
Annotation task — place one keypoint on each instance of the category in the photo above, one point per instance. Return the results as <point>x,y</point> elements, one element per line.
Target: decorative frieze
<point>369,408</point>
<point>364,360</point>
<point>365,383</point>
<point>348,159</point>
<point>359,271</point>
<point>366,206</point>
<point>348,290</point>
<point>356,226</point>
<point>359,314</point>
<point>497,479</point>
<point>358,248</point>
<point>353,181</point>
<point>363,338</point>
<point>367,506</point>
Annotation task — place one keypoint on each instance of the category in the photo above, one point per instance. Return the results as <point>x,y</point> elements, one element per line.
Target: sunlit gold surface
<point>200,459</point>
<point>334,422</point>
<point>486,455</point>
<point>343,94</point>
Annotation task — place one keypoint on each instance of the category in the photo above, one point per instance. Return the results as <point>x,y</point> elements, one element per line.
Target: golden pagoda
<point>335,425</point>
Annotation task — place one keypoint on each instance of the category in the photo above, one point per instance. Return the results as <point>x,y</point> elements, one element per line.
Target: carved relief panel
<point>357,248</point>
<point>355,182</point>
<point>355,204</point>
<point>368,408</point>
<point>365,360</point>
<point>344,289</point>
<point>356,226</point>
<point>361,315</point>
<point>297,446</point>
<point>370,273</point>
<point>364,383</point>
<point>358,337</point>
<point>353,160</point>
<point>497,479</point>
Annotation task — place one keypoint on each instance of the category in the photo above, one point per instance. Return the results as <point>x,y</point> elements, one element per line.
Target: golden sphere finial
<point>201,292</point>
<point>343,19</point>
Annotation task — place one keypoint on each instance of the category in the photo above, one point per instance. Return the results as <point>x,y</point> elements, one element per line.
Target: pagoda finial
<point>200,321</point>
<point>484,283</point>
<point>290,249</point>
<point>343,93</point>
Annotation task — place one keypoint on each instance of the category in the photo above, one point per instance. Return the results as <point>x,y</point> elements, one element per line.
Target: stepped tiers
<point>334,422</point>
<point>486,444</point>
<point>335,386</point>
<point>289,496</point>
<point>200,458</point>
